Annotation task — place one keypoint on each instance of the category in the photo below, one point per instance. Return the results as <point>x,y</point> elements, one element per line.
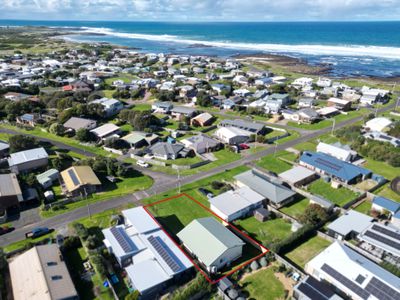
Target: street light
<point>333,126</point>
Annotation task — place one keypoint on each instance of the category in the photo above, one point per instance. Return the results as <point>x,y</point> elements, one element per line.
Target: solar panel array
<point>122,240</point>
<point>160,248</point>
<point>356,289</point>
<point>310,292</point>
<point>381,290</point>
<point>387,232</point>
<point>74,179</point>
<point>383,239</point>
<point>328,164</point>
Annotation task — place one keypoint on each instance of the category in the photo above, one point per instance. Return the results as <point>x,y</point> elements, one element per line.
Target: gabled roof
<point>9,185</point>
<point>78,123</point>
<point>167,149</point>
<point>260,183</point>
<point>27,156</point>
<point>105,129</point>
<point>387,204</point>
<point>333,166</point>
<point>244,125</point>
<point>77,176</point>
<point>350,221</point>
<point>208,239</point>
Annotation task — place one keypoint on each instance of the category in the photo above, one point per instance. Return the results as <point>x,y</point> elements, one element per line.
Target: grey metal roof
<point>296,174</point>
<point>168,149</point>
<point>245,125</point>
<point>78,123</point>
<point>261,184</point>
<point>9,185</point>
<point>27,156</point>
<point>208,239</point>
<point>45,176</point>
<point>350,221</point>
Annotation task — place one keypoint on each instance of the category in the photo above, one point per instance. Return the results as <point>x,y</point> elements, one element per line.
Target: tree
<point>57,129</point>
<point>133,296</point>
<point>84,135</point>
<point>22,142</point>
<point>313,214</point>
<point>203,99</point>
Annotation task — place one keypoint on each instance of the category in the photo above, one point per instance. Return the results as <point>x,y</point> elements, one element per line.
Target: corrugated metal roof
<point>83,174</point>
<point>27,156</point>
<point>208,239</point>
<point>388,204</point>
<point>9,185</point>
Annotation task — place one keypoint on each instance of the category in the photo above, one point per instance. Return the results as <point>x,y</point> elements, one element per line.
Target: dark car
<point>5,229</point>
<point>206,192</point>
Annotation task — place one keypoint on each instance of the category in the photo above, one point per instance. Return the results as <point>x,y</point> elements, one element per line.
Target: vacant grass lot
<point>274,163</point>
<point>339,196</point>
<point>263,285</point>
<point>387,192</point>
<point>364,207</point>
<point>306,251</point>
<point>265,232</point>
<point>381,168</point>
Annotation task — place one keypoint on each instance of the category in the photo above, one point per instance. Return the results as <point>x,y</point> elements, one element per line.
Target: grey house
<point>201,143</point>
<point>28,160</point>
<point>252,127</point>
<point>166,151</point>
<point>277,194</point>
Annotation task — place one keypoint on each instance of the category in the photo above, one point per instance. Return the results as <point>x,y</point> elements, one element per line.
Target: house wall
<point>27,166</point>
<point>228,257</point>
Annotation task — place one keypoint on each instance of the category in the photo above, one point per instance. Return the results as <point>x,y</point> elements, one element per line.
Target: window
<point>56,277</point>
<point>51,263</point>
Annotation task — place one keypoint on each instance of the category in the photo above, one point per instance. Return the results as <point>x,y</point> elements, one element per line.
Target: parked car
<point>244,146</point>
<point>5,229</point>
<point>142,163</point>
<point>60,240</point>
<point>206,192</point>
<point>37,232</point>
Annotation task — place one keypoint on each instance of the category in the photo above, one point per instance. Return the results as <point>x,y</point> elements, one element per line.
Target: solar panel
<point>328,164</point>
<point>387,232</point>
<point>310,292</point>
<point>381,290</point>
<point>166,256</point>
<point>382,239</point>
<point>356,289</point>
<point>360,279</point>
<point>74,179</point>
<point>122,240</point>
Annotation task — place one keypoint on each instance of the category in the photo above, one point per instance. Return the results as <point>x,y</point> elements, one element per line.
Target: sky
<point>202,10</point>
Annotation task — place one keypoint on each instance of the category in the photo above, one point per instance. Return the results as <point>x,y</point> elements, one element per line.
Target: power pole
<point>179,181</point>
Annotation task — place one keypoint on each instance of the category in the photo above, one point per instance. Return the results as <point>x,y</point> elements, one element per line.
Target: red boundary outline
<point>264,250</point>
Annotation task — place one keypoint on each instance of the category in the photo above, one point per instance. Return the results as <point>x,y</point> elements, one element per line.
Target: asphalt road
<point>162,184</point>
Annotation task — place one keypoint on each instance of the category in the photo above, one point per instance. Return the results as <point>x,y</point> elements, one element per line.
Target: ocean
<point>350,48</point>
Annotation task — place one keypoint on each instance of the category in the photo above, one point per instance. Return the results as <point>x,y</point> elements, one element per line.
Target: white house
<point>232,135</point>
<point>378,124</point>
<point>339,151</point>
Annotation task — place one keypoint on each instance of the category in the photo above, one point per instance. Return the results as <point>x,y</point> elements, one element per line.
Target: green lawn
<point>65,140</point>
<point>339,196</point>
<point>126,78</point>
<point>296,208</point>
<point>273,163</point>
<point>364,207</point>
<point>265,232</point>
<point>22,243</point>
<point>141,107</point>
<point>111,190</point>
<point>306,251</point>
<point>381,168</point>
<point>387,192</point>
<point>263,285</point>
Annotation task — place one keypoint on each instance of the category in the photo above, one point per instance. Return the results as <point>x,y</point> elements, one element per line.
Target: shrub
<point>254,266</point>
<point>263,261</point>
<point>216,185</point>
<point>81,230</point>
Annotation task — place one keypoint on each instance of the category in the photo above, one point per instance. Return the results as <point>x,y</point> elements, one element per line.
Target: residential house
<point>10,191</point>
<point>251,127</point>
<point>337,169</point>
<point>211,243</point>
<point>236,204</point>
<point>4,149</point>
<point>202,120</point>
<point>77,86</point>
<point>306,102</point>
<point>221,88</point>
<point>47,178</point>
<point>79,181</point>
<point>166,151</point>
<point>383,237</point>
<point>340,104</point>
<point>106,131</point>
<point>232,102</point>
<point>111,106</point>
<point>41,273</point>
<point>349,225</point>
<point>298,176</point>
<point>140,139</point>
<point>274,192</point>
<point>181,112</point>
<point>353,274</point>
<point>372,96</point>
<point>327,112</point>
<point>342,152</point>
<point>75,123</point>
<point>232,135</point>
<point>149,257</point>
<point>201,143</point>
<point>282,99</point>
<point>324,82</point>
<point>380,124</point>
<point>162,107</point>
<point>264,81</point>
<point>312,289</point>
<point>242,92</point>
<point>25,161</point>
<point>382,137</point>
<point>30,119</point>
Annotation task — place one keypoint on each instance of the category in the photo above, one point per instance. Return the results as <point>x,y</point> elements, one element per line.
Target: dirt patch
<point>286,281</point>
